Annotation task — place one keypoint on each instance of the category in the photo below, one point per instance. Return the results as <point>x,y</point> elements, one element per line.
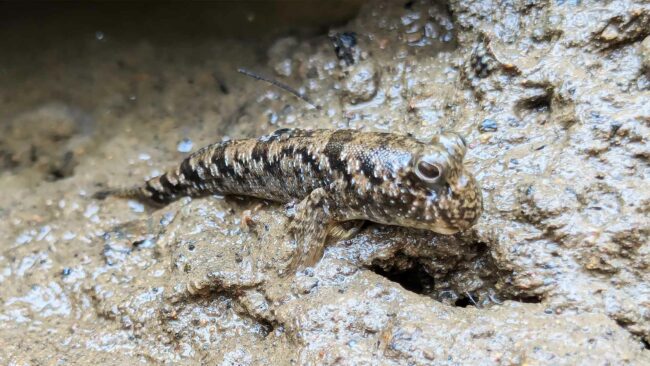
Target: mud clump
<point>552,98</point>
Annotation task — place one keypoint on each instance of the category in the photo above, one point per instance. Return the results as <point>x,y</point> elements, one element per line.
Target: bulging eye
<point>428,171</point>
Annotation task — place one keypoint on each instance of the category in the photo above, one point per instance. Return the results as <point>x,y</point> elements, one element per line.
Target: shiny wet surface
<point>556,120</point>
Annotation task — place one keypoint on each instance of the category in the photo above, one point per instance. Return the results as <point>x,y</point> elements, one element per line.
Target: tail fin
<point>142,194</point>
<point>157,191</point>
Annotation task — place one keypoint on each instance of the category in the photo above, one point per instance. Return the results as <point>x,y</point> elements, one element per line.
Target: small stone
<point>166,219</point>
<point>488,125</point>
<point>284,67</point>
<point>484,139</point>
<point>185,145</point>
<point>361,83</point>
<point>610,33</point>
<point>306,284</point>
<point>345,46</point>
<point>414,37</point>
<point>272,118</point>
<point>430,30</point>
<point>429,355</point>
<point>136,206</point>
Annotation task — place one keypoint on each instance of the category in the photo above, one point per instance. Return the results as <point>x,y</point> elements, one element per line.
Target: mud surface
<point>554,101</point>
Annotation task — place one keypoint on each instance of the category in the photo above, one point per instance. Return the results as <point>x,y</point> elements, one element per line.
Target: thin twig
<point>280,85</point>
<point>472,299</point>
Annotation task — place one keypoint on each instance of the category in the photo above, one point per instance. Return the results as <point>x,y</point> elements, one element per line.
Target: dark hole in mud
<point>63,168</point>
<point>266,327</point>
<point>469,300</point>
<point>33,154</point>
<point>537,103</point>
<point>529,299</point>
<point>56,174</point>
<point>481,248</point>
<point>415,278</point>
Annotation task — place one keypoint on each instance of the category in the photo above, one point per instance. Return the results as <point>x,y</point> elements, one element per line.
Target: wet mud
<point>552,97</point>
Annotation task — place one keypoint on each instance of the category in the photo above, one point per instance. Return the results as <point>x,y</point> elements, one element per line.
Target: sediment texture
<point>552,97</point>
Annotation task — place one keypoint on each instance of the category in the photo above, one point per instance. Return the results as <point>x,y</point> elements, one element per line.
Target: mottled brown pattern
<point>350,175</point>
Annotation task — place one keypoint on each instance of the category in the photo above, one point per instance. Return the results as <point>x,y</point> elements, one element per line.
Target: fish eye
<point>427,171</point>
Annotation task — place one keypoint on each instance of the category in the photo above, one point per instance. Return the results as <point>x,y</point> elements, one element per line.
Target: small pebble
<point>91,210</point>
<point>166,219</point>
<point>414,37</point>
<point>146,243</point>
<point>185,145</point>
<point>284,67</point>
<point>23,238</point>
<point>344,46</point>
<point>272,118</point>
<point>361,83</point>
<point>488,125</point>
<point>136,206</point>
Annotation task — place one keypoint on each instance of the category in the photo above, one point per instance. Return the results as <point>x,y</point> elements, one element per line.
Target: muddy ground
<point>554,101</point>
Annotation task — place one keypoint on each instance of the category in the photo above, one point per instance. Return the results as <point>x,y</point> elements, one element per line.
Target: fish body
<point>337,176</point>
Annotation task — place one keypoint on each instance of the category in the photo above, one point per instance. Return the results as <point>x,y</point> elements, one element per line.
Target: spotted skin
<point>336,176</point>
